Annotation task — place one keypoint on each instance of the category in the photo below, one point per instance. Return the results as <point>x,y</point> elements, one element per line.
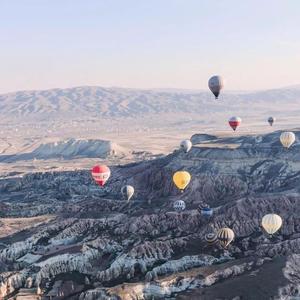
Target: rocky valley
<point>92,244</point>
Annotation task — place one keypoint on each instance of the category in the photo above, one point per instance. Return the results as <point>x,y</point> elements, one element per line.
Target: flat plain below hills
<point>149,122</point>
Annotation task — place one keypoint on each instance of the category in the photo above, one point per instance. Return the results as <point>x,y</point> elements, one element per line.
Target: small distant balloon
<point>271,120</point>
<point>211,238</point>
<point>186,145</point>
<point>287,139</point>
<point>234,122</point>
<point>225,236</point>
<point>179,205</point>
<point>206,211</point>
<point>271,223</point>
<point>127,191</point>
<point>181,179</point>
<point>215,84</point>
<point>100,174</point>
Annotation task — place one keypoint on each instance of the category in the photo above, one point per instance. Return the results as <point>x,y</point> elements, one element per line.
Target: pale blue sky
<point>149,43</point>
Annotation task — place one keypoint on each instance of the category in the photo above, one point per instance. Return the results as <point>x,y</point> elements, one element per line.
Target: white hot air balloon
<point>179,205</point>
<point>215,84</point>
<point>287,139</point>
<point>225,236</point>
<point>271,223</point>
<point>127,191</point>
<point>186,145</point>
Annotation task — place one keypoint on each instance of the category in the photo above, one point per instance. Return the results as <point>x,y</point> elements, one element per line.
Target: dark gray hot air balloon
<point>215,84</point>
<point>271,120</point>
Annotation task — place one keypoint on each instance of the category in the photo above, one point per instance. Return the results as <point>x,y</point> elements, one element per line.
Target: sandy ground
<point>10,226</point>
<point>157,135</point>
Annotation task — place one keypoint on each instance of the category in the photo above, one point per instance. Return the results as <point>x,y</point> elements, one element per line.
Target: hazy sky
<point>254,44</point>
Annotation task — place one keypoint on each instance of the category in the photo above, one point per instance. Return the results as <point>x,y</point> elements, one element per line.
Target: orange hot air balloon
<point>100,174</point>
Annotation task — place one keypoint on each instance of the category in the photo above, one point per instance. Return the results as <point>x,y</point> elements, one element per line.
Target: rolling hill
<point>95,102</point>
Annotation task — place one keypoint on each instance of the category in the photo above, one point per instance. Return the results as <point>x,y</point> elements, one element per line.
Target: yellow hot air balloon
<point>287,139</point>
<point>181,179</point>
<point>271,223</point>
<point>225,236</point>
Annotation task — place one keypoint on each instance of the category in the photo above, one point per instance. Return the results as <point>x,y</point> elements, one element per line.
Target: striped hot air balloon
<point>211,238</point>
<point>179,205</point>
<point>225,236</point>
<point>287,139</point>
<point>234,122</point>
<point>100,174</point>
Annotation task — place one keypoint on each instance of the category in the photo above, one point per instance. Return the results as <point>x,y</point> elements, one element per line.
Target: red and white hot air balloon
<point>100,174</point>
<point>234,122</point>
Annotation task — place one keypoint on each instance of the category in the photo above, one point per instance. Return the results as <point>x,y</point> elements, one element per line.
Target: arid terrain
<point>62,236</point>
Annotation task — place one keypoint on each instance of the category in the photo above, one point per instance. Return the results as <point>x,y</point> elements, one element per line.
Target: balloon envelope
<point>186,145</point>
<point>127,191</point>
<point>215,84</point>
<point>271,223</point>
<point>207,211</point>
<point>179,205</point>
<point>181,179</point>
<point>271,120</point>
<point>100,174</point>
<point>234,122</point>
<point>225,236</point>
<point>211,238</point>
<point>287,139</point>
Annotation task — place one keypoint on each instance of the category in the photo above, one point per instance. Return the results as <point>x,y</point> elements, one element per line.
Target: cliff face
<point>143,249</point>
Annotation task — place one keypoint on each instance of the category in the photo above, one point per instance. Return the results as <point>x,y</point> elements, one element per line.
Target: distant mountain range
<point>95,102</point>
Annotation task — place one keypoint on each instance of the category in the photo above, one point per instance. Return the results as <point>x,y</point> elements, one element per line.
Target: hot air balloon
<point>127,191</point>
<point>211,238</point>
<point>271,120</point>
<point>215,84</point>
<point>179,205</point>
<point>100,173</point>
<point>225,236</point>
<point>271,223</point>
<point>234,122</point>
<point>287,139</point>
<point>206,211</point>
<point>181,179</point>
<point>186,145</point>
